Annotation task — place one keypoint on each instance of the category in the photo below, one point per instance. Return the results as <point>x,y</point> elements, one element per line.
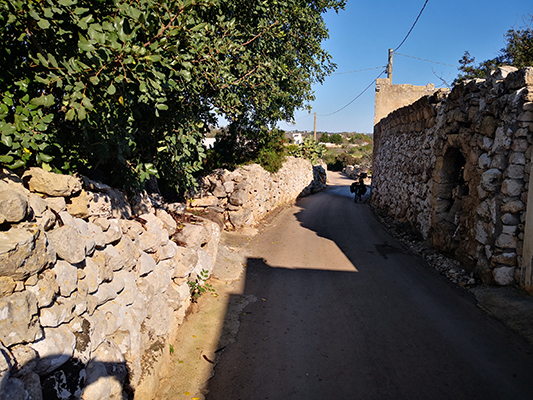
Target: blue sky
<point>360,38</point>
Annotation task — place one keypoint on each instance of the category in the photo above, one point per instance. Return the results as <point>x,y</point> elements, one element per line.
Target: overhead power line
<point>425,59</point>
<point>374,81</point>
<point>356,97</point>
<point>410,30</point>
<point>357,70</point>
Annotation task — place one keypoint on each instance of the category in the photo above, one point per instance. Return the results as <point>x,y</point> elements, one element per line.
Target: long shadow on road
<point>380,326</point>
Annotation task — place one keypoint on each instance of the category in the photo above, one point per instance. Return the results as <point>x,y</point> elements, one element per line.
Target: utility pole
<point>315,127</point>
<point>389,66</point>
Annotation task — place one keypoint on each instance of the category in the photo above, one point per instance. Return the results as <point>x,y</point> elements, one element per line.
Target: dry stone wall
<point>243,197</point>
<point>92,287</point>
<point>456,166</point>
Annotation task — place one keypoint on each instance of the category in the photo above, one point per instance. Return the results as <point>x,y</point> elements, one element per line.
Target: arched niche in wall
<point>449,189</point>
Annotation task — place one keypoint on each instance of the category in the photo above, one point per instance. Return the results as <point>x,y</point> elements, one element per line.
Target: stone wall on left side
<point>243,197</point>
<point>89,289</point>
<point>93,286</point>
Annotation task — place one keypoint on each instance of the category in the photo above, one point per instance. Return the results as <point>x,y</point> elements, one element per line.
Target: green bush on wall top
<point>128,88</point>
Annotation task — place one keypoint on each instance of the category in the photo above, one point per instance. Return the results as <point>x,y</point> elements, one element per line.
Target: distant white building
<point>297,138</point>
<point>208,142</point>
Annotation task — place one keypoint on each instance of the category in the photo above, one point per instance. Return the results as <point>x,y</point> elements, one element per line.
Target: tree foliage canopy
<point>518,52</point>
<point>130,87</point>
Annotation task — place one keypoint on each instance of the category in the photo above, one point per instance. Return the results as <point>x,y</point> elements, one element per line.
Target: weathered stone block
<point>166,252</point>
<point>504,276</point>
<point>218,190</point>
<point>512,187</point>
<point>7,286</point>
<point>113,258</point>
<point>13,206</point>
<point>482,235</point>
<point>184,262</point>
<point>240,217</point>
<point>114,231</point>
<point>25,360</point>
<point>160,316</point>
<point>46,288</point>
<point>168,222</point>
<point>37,204</point>
<point>91,280</point>
<point>194,235</point>
<point>510,219</point>
<point>68,243</point>
<point>207,201</point>
<point>54,349</point>
<point>239,197</point>
<point>505,258</point>
<point>97,235</point>
<point>484,161</point>
<point>13,389</point>
<point>57,204</point>
<point>513,207</point>
<point>41,181</point>
<point>105,271</point>
<point>145,264</point>
<point>24,251</point>
<point>66,277</point>
<point>490,180</point>
<point>107,291</point>
<point>18,319</point>
<point>526,116</point>
<point>127,251</point>
<point>515,171</point>
<point>506,241</point>
<point>62,311</point>
<point>78,206</point>
<point>32,386</point>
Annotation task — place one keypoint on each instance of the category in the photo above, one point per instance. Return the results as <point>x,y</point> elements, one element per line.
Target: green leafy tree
<point>518,52</point>
<point>130,88</point>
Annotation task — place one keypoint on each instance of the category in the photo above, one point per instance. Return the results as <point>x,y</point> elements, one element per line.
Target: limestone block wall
<point>92,286</point>
<point>456,167</point>
<point>243,197</point>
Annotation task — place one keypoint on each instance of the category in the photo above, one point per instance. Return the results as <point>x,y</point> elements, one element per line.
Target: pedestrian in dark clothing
<point>359,187</point>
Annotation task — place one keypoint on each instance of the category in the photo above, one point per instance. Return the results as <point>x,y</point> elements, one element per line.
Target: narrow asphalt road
<point>343,312</point>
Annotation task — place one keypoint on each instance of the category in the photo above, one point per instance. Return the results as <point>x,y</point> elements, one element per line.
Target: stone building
<point>390,97</point>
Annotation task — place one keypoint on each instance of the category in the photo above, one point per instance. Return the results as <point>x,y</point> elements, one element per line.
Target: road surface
<point>343,312</point>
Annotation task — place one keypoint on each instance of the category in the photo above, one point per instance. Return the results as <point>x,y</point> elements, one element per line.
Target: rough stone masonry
<point>93,286</point>
<point>456,166</point>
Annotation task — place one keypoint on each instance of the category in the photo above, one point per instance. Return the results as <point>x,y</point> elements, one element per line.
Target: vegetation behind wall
<point>129,88</point>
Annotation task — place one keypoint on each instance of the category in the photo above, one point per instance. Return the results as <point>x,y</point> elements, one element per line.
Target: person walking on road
<point>359,187</point>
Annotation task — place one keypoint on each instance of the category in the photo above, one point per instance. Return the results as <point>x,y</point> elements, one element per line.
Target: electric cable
<point>410,30</point>
<point>357,70</point>
<point>374,81</point>
<point>425,59</point>
<point>356,97</point>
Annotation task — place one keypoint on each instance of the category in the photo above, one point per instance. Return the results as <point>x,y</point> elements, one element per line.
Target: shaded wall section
<point>456,166</point>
